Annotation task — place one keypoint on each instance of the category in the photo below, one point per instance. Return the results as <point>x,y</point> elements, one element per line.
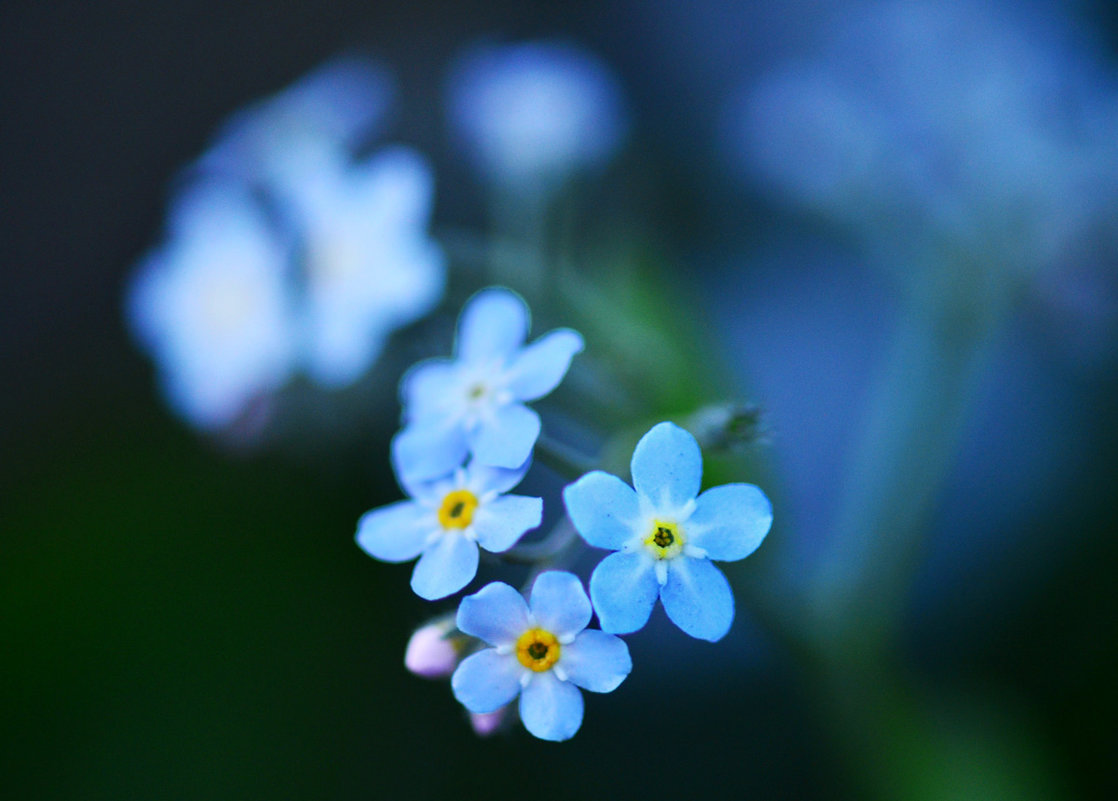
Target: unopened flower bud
<point>486,723</point>
<point>431,652</point>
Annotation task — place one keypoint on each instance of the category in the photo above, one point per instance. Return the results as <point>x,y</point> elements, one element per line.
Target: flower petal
<point>500,523</point>
<point>486,681</point>
<point>492,327</point>
<point>496,613</point>
<point>624,589</point>
<point>424,452</point>
<point>427,387</point>
<point>667,466</point>
<point>483,478</point>
<point>559,603</point>
<point>596,661</point>
<point>730,521</point>
<point>551,709</point>
<point>697,598</point>
<point>603,508</point>
<point>506,439</point>
<point>445,567</point>
<point>397,532</point>
<point>538,368</point>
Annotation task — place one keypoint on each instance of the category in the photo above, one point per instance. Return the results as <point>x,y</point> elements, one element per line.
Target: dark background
<point>180,621</point>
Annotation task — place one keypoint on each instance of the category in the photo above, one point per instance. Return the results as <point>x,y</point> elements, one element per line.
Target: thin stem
<point>905,454</point>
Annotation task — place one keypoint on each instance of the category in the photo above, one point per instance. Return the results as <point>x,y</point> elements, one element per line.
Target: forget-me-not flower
<point>666,537</point>
<point>536,111</point>
<point>369,265</point>
<point>445,522</point>
<point>213,306</point>
<point>540,650</point>
<point>475,402</point>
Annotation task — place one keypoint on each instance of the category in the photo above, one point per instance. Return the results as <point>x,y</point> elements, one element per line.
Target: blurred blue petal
<point>539,368</point>
<point>369,264</point>
<point>213,307</point>
<point>424,452</point>
<point>536,111</point>
<point>493,326</point>
<point>282,140</point>
<point>507,438</point>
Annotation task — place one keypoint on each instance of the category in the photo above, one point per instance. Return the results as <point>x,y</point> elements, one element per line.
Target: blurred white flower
<point>536,111</point>
<point>286,253</point>
<point>212,305</point>
<point>369,264</point>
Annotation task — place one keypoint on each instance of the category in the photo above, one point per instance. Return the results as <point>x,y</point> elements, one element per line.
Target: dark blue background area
<point>181,621</point>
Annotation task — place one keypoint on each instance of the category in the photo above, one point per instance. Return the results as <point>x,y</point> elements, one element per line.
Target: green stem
<point>914,421</point>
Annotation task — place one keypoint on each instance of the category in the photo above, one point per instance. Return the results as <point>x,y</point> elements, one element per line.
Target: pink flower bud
<point>486,723</point>
<point>429,653</point>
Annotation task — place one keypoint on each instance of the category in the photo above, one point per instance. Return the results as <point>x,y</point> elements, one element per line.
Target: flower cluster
<point>286,252</point>
<point>467,440</point>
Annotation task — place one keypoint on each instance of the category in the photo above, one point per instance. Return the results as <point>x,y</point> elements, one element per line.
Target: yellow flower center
<point>666,539</point>
<point>537,650</point>
<point>457,510</point>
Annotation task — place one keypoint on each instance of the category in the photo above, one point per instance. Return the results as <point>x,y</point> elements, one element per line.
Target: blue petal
<point>603,508</point>
<point>559,603</point>
<point>496,613</point>
<point>596,661</point>
<point>492,327</point>
<point>730,521</point>
<point>500,523</point>
<point>486,681</point>
<point>482,478</point>
<point>426,388</point>
<point>539,368</point>
<point>506,440</point>
<point>397,532</point>
<point>445,567</point>
<point>424,452</point>
<point>667,466</point>
<point>697,598</point>
<point>551,709</point>
<point>624,589</point>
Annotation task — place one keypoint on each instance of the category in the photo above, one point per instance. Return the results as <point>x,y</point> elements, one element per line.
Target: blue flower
<point>541,651</point>
<point>446,522</point>
<point>213,307</point>
<point>369,265</point>
<point>537,111</point>
<point>665,536</point>
<point>475,402</point>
